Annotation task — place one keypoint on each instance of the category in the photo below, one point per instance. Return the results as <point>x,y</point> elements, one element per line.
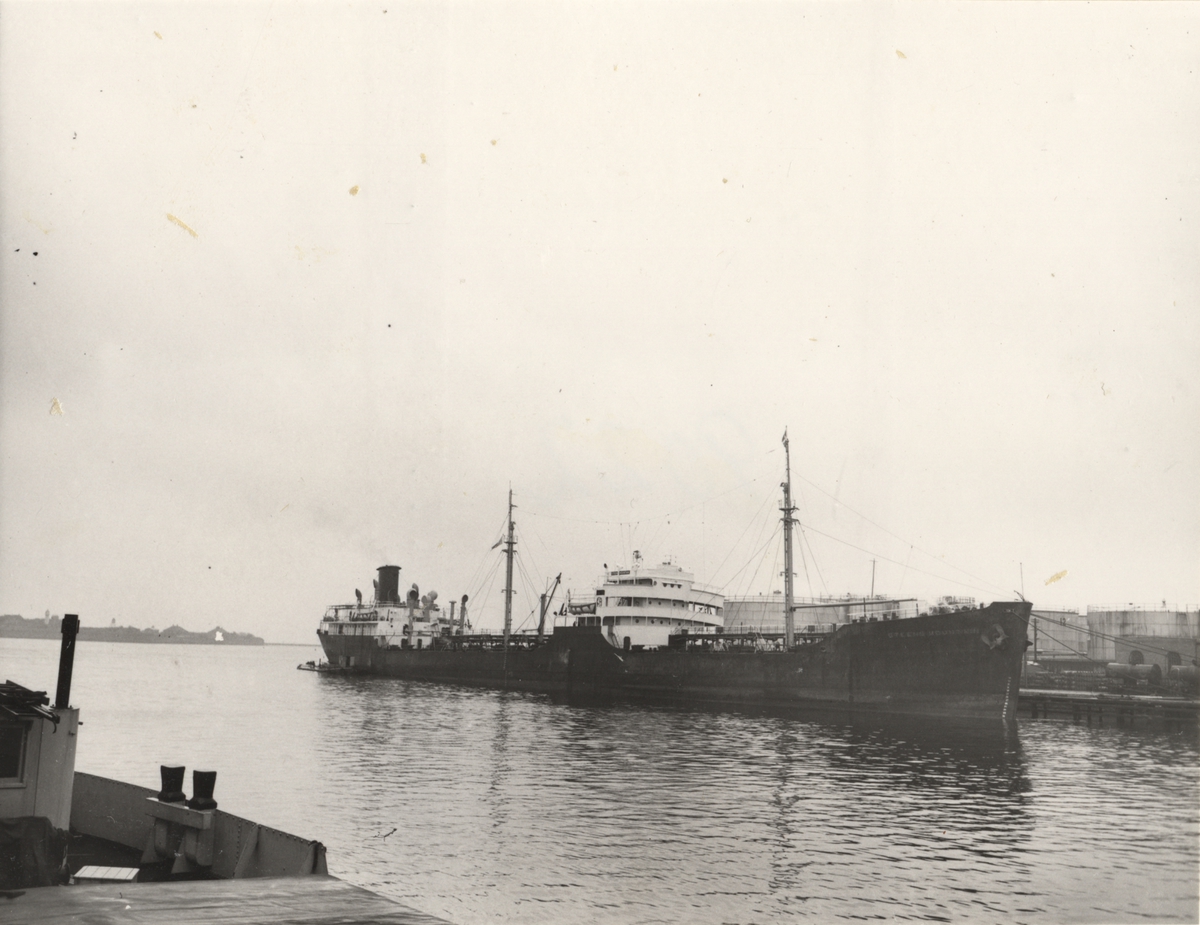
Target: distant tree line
<point>14,626</point>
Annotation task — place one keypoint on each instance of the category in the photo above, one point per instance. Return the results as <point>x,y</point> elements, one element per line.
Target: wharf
<point>1093,707</point>
<point>313,900</point>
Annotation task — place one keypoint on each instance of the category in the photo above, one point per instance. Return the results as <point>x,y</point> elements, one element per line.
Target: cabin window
<point>12,752</point>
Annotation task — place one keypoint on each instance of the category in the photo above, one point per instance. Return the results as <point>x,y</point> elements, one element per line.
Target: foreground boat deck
<point>313,900</point>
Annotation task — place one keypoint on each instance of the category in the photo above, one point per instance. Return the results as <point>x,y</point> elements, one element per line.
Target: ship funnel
<point>387,587</point>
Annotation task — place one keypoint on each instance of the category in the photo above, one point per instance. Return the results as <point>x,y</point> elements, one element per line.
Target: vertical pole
<point>66,661</point>
<point>872,579</point>
<point>789,625</point>
<point>542,617</point>
<point>1035,640</point>
<point>508,588</point>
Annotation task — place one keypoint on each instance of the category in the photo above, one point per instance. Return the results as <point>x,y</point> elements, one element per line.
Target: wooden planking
<point>315,900</point>
<point>99,873</point>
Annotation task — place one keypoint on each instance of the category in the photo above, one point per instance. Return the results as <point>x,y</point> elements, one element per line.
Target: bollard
<point>172,783</point>
<point>203,783</point>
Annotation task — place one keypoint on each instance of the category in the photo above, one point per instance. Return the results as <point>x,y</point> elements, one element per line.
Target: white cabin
<point>417,622</point>
<point>641,606</point>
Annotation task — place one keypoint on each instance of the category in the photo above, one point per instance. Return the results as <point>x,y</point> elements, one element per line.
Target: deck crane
<point>546,599</point>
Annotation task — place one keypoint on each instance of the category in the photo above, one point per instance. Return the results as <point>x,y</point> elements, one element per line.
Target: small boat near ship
<point>652,633</point>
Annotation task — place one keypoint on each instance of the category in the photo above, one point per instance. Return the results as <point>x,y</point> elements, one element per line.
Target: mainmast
<point>509,546</point>
<point>789,627</point>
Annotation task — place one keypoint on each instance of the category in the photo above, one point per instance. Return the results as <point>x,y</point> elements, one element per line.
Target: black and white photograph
<point>580,462</point>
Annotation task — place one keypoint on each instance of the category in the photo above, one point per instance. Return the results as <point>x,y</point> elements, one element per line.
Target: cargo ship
<point>653,634</point>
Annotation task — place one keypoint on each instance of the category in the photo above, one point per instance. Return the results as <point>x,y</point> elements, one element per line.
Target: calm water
<point>495,807</point>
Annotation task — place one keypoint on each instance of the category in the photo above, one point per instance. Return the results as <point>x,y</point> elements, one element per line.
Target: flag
<point>498,542</point>
<point>785,443</point>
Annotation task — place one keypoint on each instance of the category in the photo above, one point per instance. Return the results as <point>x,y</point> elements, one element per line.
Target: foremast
<point>509,546</point>
<point>789,624</point>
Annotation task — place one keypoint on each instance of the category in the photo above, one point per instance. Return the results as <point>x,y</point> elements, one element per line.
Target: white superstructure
<point>641,606</point>
<point>414,623</point>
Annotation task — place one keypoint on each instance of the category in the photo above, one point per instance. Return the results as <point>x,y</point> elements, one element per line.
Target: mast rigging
<point>509,546</point>
<point>789,626</point>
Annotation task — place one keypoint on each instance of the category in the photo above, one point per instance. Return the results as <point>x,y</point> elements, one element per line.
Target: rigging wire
<point>527,552</point>
<point>526,584</point>
<point>1125,639</point>
<point>907,559</point>
<point>485,594</point>
<point>483,558</point>
<point>900,538</point>
<point>773,541</point>
<point>757,514</point>
<point>952,581</point>
<point>653,542</point>
<point>749,562</point>
<point>805,541</point>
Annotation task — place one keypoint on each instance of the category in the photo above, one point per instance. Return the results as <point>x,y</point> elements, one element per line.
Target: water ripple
<point>508,807</point>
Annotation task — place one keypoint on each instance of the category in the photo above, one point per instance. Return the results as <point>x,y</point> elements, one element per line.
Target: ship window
<point>12,752</point>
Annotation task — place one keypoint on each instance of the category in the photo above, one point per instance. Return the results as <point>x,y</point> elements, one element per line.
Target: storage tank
<point>1154,629</point>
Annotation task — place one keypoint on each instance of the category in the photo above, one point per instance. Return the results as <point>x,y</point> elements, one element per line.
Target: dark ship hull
<point>965,664</point>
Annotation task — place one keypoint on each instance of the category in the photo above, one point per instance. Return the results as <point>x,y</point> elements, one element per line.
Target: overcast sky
<point>314,285</point>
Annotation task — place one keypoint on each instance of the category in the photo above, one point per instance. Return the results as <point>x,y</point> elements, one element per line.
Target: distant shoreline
<point>14,626</point>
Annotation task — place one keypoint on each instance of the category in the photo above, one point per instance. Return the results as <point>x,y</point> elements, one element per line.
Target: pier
<point>1100,708</point>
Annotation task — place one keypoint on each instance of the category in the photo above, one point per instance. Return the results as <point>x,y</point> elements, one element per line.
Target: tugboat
<point>653,634</point>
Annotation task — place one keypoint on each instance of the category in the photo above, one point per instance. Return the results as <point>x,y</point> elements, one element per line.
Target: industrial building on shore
<point>763,613</point>
<point>1159,634</point>
<point>1152,634</point>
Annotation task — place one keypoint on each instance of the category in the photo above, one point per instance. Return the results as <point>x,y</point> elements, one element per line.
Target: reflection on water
<point>483,806</point>
<point>630,813</point>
